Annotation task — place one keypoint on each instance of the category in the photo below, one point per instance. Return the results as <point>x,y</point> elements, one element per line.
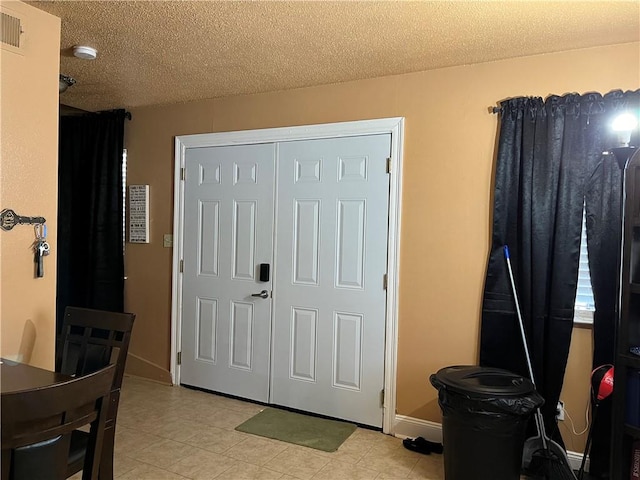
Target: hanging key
<point>41,234</point>
<point>40,248</point>
<point>38,259</point>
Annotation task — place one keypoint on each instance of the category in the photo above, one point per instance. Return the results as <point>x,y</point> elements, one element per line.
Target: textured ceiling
<point>161,52</point>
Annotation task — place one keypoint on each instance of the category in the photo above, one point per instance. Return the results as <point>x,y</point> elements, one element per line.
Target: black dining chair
<point>37,425</point>
<point>91,339</point>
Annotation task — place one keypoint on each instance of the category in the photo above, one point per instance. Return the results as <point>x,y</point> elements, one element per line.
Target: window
<point>585,305</point>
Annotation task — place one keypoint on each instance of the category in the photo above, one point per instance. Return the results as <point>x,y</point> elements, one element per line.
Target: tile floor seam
<point>257,464</point>
<point>127,471</point>
<point>232,466</point>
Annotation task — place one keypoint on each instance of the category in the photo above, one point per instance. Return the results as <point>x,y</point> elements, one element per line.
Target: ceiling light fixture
<point>65,82</point>
<point>84,52</point>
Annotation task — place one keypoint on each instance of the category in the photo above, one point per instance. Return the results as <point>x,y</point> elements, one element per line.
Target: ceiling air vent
<point>11,30</point>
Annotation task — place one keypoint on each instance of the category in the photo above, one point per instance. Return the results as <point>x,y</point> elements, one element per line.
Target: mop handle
<point>520,323</point>
<point>538,416</point>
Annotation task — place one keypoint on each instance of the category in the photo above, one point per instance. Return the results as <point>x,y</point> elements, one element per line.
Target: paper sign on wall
<point>139,213</point>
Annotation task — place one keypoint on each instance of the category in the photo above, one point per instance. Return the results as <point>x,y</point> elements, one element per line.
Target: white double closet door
<point>315,211</point>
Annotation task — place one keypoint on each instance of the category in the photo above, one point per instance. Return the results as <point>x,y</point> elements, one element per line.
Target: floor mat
<point>306,430</point>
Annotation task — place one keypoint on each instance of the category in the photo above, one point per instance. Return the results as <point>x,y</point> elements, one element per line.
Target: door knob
<point>262,294</point>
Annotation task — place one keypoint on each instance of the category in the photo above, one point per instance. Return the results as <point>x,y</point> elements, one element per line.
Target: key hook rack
<point>9,219</point>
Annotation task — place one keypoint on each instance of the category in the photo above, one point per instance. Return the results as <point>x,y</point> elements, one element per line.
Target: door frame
<point>393,126</point>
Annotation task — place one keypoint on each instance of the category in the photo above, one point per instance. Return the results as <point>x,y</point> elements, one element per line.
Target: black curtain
<point>90,221</point>
<point>547,153</point>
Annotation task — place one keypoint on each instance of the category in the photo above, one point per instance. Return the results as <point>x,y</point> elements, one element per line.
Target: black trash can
<point>485,412</point>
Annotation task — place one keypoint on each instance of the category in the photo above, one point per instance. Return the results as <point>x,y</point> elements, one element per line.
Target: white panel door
<point>329,318</point>
<point>228,233</point>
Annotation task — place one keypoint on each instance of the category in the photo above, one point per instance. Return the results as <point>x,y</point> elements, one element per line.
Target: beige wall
<point>448,164</point>
<point>29,184</point>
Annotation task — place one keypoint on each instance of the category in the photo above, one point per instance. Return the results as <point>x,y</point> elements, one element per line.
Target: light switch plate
<point>167,240</point>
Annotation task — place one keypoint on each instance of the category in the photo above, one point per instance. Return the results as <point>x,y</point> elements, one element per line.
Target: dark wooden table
<point>15,377</point>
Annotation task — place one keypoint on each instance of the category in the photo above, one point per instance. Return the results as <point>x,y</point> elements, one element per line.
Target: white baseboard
<point>141,367</point>
<point>405,427</point>
<point>575,459</point>
<point>414,427</point>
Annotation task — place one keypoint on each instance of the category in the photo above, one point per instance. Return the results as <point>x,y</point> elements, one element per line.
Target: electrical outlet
<point>560,411</point>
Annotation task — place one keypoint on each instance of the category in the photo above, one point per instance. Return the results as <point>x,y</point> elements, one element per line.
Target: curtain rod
<point>66,111</point>
<point>494,109</point>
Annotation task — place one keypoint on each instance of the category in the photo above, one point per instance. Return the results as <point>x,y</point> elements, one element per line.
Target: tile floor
<point>176,433</point>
